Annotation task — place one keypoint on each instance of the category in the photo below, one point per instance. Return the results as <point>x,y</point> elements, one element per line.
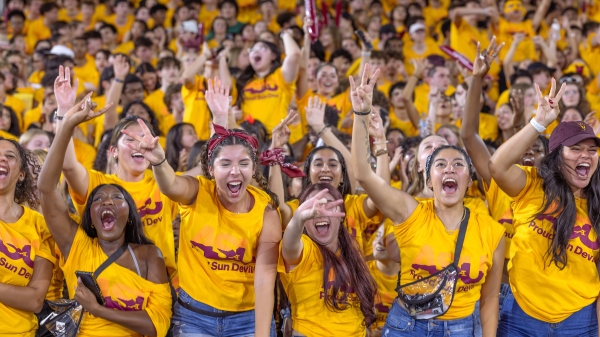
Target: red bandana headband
<point>223,134</point>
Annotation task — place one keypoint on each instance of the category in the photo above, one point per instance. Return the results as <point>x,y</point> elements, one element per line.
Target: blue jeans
<point>477,317</point>
<point>504,291</point>
<point>187,323</point>
<point>514,322</point>
<point>400,324</point>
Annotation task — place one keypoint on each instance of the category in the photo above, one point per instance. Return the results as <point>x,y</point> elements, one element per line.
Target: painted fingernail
<point>550,101</point>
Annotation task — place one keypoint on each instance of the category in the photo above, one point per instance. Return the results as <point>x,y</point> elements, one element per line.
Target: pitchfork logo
<point>15,253</point>
<point>579,231</point>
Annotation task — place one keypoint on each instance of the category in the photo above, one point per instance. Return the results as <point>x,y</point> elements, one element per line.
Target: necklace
<point>450,232</point>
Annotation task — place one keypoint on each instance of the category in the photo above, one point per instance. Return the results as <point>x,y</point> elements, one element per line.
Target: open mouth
<point>257,58</point>
<point>137,157</point>
<point>322,227</point>
<point>449,185</point>
<point>583,170</point>
<point>528,162</point>
<point>108,219</point>
<point>328,180</point>
<point>379,248</point>
<point>234,187</point>
<point>3,172</point>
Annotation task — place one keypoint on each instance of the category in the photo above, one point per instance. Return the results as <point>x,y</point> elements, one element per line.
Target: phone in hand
<point>363,39</point>
<point>89,281</point>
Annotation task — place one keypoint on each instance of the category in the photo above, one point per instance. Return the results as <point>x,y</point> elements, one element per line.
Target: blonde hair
<point>29,134</point>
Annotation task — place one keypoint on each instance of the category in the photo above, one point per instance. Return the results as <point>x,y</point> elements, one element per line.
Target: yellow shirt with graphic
<point>386,293</point>
<point>427,248</point>
<point>360,227</point>
<point>21,243</point>
<point>543,290</point>
<point>304,288</point>
<point>499,204</point>
<point>122,289</point>
<point>156,210</point>
<point>217,250</point>
<point>267,99</point>
<point>504,33</point>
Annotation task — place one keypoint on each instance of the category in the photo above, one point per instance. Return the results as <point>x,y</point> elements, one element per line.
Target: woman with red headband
<point>229,234</point>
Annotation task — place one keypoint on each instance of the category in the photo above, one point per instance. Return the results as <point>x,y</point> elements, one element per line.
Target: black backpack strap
<point>112,258</point>
<point>461,236</point>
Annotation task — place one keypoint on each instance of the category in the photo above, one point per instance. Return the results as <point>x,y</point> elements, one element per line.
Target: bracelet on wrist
<point>537,126</point>
<point>57,117</point>
<point>381,142</point>
<point>118,80</point>
<point>380,152</point>
<point>321,132</point>
<point>162,161</point>
<point>361,113</point>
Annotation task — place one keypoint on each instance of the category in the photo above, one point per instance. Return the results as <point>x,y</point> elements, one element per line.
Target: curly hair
<point>25,191</point>
<point>229,141</point>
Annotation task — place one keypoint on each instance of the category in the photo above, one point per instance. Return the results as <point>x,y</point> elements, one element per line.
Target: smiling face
<point>325,168</point>
<point>324,230</point>
<point>10,166</point>
<point>327,81</point>
<point>128,160</point>
<point>534,154</point>
<point>109,212</point>
<point>580,161</point>
<point>380,253</point>
<point>232,169</point>
<point>261,57</point>
<point>505,115</point>
<point>449,177</point>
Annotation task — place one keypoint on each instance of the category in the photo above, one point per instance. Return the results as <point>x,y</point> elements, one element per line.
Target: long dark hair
<point>14,128</point>
<point>134,231</point>
<point>25,191</point>
<point>229,141</point>
<point>349,270</point>
<point>174,145</point>
<point>559,201</point>
<point>344,188</point>
<point>101,160</point>
<point>153,120</point>
<point>248,73</point>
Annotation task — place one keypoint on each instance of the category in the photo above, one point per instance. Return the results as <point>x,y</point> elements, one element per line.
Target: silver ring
<point>482,57</point>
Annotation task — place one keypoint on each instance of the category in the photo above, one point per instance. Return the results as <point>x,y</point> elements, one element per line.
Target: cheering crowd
<point>356,168</point>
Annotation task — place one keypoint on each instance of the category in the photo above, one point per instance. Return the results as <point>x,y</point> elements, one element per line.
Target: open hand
<point>281,133</point>
<point>64,92</point>
<point>218,100</point>
<point>362,96</point>
<point>420,66</point>
<point>315,113</point>
<point>483,60</point>
<point>548,110</point>
<point>147,144</point>
<point>121,67</point>
<point>592,121</point>
<point>319,206</point>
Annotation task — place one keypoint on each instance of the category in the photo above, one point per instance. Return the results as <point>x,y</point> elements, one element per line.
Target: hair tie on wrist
<point>321,132</point>
<point>361,113</point>
<point>276,157</point>
<point>162,161</point>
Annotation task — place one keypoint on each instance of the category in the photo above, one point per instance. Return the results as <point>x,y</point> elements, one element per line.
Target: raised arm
<point>281,134</point>
<point>409,91</point>
<point>56,212</point>
<point>189,73</point>
<point>509,177</point>
<point>121,68</point>
<point>76,175</point>
<point>224,73</point>
<point>507,65</point>
<point>470,128</point>
<point>315,117</point>
<point>393,203</point>
<point>540,12</point>
<point>302,82</point>
<point>317,206</point>
<point>290,65</point>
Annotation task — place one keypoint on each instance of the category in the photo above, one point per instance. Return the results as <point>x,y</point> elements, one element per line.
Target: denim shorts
<point>187,323</point>
<point>514,322</point>
<point>400,324</point>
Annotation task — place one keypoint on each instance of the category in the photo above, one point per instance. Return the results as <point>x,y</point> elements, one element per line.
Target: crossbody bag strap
<point>461,236</point>
<point>112,258</point>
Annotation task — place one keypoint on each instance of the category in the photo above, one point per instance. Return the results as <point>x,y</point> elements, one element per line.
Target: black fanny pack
<point>432,296</point>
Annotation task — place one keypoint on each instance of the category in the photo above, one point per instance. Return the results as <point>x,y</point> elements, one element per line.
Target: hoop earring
<point>93,226</point>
